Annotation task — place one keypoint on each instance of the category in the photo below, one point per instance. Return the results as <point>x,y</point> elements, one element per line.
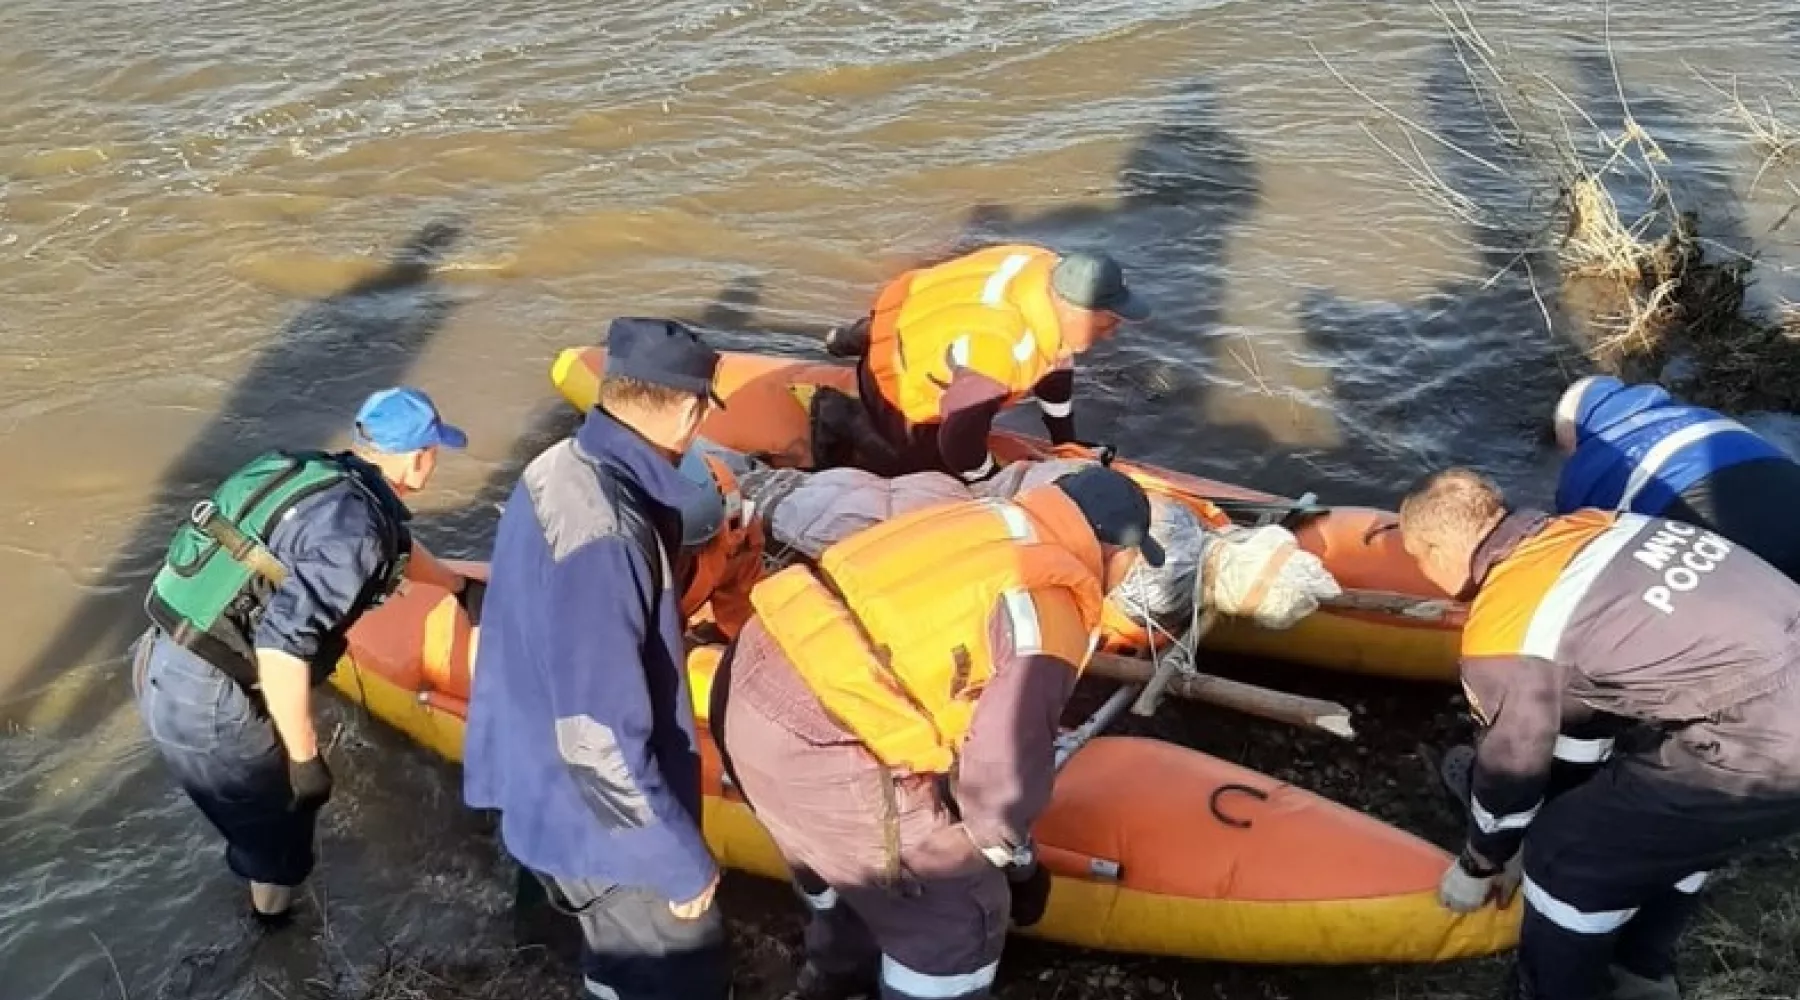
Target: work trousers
<point>897,891</point>
<point>224,752</point>
<point>634,948</point>
<point>1613,867</point>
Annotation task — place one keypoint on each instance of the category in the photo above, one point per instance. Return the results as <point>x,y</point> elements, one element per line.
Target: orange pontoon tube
<point>1156,849</point>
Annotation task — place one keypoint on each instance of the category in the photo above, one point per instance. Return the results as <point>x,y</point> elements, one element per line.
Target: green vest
<point>219,573</point>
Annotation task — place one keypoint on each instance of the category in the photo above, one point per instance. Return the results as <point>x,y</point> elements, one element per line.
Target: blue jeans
<point>225,754</point>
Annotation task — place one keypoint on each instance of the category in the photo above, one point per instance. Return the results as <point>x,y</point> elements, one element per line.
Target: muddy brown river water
<point>222,222</point>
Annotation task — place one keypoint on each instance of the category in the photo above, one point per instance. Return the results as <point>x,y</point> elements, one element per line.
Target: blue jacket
<point>581,723</point>
<point>1637,447</point>
<point>338,546</point>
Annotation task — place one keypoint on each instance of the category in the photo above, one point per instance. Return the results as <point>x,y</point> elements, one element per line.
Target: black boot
<point>849,340</point>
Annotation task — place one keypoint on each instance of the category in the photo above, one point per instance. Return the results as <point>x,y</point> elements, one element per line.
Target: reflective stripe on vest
<point>1663,451</point>
<point>1549,574</point>
<point>891,633</point>
<point>1544,636</point>
<point>994,292</point>
<point>989,312</point>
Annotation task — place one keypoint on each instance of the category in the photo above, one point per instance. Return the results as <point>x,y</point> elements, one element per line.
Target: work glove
<point>310,782</point>
<point>1030,887</point>
<point>1463,891</point>
<point>1263,574</point>
<point>1103,453</point>
<point>472,596</point>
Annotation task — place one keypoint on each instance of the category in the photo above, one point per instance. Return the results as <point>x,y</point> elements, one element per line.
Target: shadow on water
<point>1469,373</point>
<point>1180,193</point>
<point>298,394</point>
<point>728,321</point>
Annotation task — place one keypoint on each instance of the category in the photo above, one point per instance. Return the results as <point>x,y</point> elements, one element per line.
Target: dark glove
<point>1103,453</point>
<point>1030,887</point>
<point>310,781</point>
<point>471,597</point>
<point>970,478</point>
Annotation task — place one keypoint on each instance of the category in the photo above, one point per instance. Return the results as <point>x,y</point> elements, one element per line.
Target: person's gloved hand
<point>1263,574</point>
<point>310,782</point>
<point>1103,453</point>
<point>1030,885</point>
<point>1463,891</point>
<point>472,596</point>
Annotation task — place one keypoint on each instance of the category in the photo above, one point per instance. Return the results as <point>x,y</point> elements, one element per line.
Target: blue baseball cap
<point>403,419</point>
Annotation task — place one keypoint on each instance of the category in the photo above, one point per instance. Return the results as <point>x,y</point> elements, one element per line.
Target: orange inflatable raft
<point>1155,848</point>
<point>1392,622</point>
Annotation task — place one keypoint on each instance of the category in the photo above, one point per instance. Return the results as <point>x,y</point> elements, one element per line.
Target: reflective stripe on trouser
<point>937,913</point>
<point>838,943</point>
<point>1612,872</point>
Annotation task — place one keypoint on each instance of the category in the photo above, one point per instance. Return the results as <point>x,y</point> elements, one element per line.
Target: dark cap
<point>1116,508</point>
<point>1095,281</point>
<point>662,352</point>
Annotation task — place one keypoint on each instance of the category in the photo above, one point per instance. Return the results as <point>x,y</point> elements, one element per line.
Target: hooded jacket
<point>1637,447</point>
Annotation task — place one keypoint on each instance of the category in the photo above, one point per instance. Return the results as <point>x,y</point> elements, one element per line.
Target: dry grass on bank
<point>1641,287</point>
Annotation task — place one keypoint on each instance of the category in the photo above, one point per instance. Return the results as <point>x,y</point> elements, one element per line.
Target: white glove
<point>1462,892</point>
<point>1263,574</point>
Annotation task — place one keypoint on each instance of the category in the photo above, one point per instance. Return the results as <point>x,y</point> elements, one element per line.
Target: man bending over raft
<point>581,722</point>
<point>905,820</point>
<point>250,612</point>
<point>1589,619</point>
<point>1637,448</point>
<point>946,348</point>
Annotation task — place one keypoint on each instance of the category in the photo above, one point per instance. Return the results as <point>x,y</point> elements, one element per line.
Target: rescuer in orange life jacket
<point>946,348</point>
<point>891,714</point>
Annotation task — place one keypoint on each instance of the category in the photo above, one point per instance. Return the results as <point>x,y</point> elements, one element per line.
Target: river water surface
<point>222,222</point>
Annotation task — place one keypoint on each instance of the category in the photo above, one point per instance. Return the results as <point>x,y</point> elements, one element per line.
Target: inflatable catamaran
<point>1155,848</point>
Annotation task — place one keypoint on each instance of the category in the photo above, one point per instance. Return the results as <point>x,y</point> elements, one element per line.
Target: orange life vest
<point>891,631</point>
<point>725,569</point>
<point>989,312</point>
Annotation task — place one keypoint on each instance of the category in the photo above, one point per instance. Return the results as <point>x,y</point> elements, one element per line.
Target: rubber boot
<point>1631,986</point>
<point>271,905</point>
<point>816,985</point>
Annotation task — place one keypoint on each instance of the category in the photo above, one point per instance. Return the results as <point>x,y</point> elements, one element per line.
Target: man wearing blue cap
<point>581,722</point>
<point>250,609</point>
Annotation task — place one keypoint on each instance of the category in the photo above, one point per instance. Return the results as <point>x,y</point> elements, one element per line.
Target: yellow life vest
<point>988,312</point>
<point>891,631</point>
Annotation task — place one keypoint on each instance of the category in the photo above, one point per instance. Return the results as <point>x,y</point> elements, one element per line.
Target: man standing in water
<point>251,608</point>
<point>1644,620</point>
<point>581,723</point>
<point>947,348</point>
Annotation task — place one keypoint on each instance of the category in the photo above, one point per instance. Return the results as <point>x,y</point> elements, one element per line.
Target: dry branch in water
<point>1639,285</point>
